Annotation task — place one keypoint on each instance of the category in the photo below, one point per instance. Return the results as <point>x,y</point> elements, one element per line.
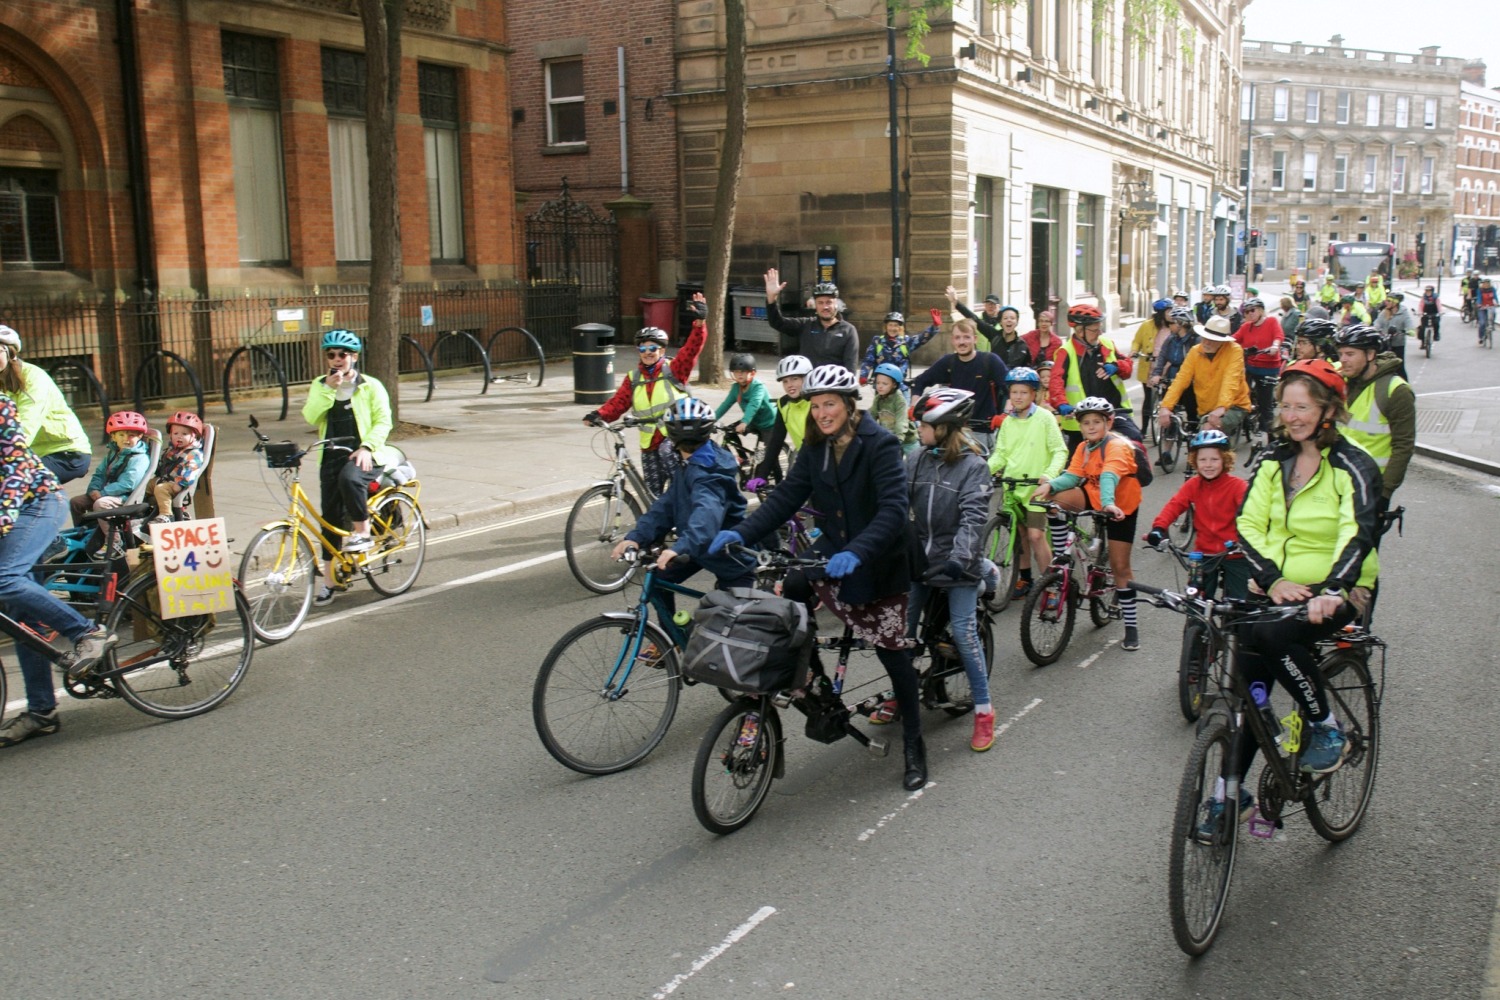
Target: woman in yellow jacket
<point>1148,337</point>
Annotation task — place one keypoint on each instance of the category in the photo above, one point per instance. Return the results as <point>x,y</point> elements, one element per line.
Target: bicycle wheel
<point>276,574</point>
<point>174,668</point>
<point>1339,800</point>
<point>1152,428</point>
<point>1101,610</point>
<point>730,780</point>
<point>1170,446</point>
<point>399,547</point>
<point>1047,619</point>
<point>953,690</point>
<point>596,714</point>
<point>1198,874</point>
<point>599,519</point>
<point>1182,528</point>
<point>1192,678</point>
<point>1001,546</point>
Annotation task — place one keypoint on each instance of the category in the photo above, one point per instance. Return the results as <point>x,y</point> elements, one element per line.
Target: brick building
<point>246,171</point>
<point>1476,200</point>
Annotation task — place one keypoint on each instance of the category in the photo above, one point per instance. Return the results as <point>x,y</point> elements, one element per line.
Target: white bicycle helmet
<point>943,404</point>
<point>10,338</point>
<point>830,378</point>
<point>1094,404</point>
<point>792,364</point>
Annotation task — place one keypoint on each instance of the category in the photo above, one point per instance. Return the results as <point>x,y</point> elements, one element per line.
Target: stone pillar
<point>637,259</point>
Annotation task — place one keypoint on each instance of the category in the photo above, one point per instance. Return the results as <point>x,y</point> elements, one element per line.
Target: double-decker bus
<point>1351,263</point>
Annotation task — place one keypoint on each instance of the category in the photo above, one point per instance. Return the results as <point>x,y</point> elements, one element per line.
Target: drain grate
<point>1438,421</point>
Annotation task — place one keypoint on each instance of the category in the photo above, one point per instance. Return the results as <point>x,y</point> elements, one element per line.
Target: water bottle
<point>1262,698</point>
<point>1195,568</point>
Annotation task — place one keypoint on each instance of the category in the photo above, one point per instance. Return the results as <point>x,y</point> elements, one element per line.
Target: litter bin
<point>657,311</point>
<point>593,363</point>
<point>750,325</point>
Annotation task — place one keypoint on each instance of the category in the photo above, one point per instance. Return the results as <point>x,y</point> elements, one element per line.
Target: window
<point>1403,111</point>
<point>1372,109</point>
<point>1343,108</point>
<point>1278,171</point>
<point>1033,27</point>
<point>348,161</point>
<point>437,93</point>
<point>1085,243</point>
<point>1303,241</point>
<point>1429,112</point>
<point>252,87</point>
<point>1309,171</point>
<point>1369,173</point>
<point>1272,244</point>
<point>1314,106</point>
<point>565,102</point>
<point>1279,100</point>
<point>1429,164</point>
<point>1060,35</point>
<point>982,252</point>
<point>1340,173</point>
<point>1398,175</point>
<point>1244,169</point>
<point>30,222</point>
<point>1247,101</point>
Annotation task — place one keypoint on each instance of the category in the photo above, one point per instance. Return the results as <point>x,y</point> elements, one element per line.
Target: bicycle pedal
<point>878,747</point>
<point>1259,826</point>
<point>782,699</point>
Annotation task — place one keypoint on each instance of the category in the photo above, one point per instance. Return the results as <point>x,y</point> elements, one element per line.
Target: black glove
<point>1155,537</point>
<point>952,570</point>
<point>696,309</point>
<point>591,417</point>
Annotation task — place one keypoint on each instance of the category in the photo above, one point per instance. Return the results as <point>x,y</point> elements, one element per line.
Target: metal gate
<point>574,249</point>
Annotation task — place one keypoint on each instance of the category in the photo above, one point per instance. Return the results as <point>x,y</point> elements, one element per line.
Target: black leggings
<point>1263,390</point>
<point>346,496</point>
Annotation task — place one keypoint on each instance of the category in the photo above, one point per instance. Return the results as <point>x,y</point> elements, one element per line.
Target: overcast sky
<point>1461,27</point>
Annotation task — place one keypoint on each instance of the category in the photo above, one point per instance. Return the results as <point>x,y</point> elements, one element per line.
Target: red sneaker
<point>984,732</point>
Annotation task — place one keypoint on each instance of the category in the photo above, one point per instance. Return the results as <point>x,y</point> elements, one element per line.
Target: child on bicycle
<point>890,407</point>
<point>791,419</point>
<point>126,461</point>
<point>896,346</point>
<point>1029,445</point>
<point>703,498</point>
<point>180,464</point>
<point>758,415</point>
<point>1101,476</point>
<point>1214,497</point>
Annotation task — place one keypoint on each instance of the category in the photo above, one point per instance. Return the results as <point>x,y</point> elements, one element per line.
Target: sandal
<point>888,712</point>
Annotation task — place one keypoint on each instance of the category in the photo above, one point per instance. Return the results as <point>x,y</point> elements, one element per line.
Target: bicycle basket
<point>282,455</point>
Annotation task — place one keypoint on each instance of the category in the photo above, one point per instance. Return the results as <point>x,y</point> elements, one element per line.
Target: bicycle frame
<point>616,684</point>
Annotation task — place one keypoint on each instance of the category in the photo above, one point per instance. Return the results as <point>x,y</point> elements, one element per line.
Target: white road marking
<point>445,536</point>
<point>1455,392</point>
<point>1088,661</point>
<point>756,919</point>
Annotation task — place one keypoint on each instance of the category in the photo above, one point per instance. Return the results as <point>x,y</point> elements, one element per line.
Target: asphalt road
<point>372,816</point>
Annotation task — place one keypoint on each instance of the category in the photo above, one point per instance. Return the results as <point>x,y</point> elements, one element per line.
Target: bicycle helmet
<point>1094,404</point>
<point>1319,371</point>
<point>1209,439</point>
<point>742,363</point>
<point>895,317</point>
<point>827,288</point>
<point>188,419</point>
<point>1219,290</point>
<point>1161,305</point>
<point>126,420</point>
<point>688,421</point>
<point>943,404</point>
<point>1366,338</point>
<point>891,371</point>
<point>1397,297</point>
<point>1179,295</point>
<point>652,335</point>
<point>1182,315</point>
<point>1023,376</point>
<point>10,338</point>
<point>1252,304</point>
<point>1317,330</point>
<point>830,378</point>
<point>341,339</point>
<point>1347,298</point>
<point>1085,315</point>
<point>792,364</point>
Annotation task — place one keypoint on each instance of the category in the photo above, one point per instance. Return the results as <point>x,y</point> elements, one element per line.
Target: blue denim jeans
<point>962,602</point>
<point>37,524</point>
<point>67,465</point>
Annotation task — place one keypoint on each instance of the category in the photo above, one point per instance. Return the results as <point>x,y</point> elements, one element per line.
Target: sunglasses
<point>337,355</point>
<point>648,348</point>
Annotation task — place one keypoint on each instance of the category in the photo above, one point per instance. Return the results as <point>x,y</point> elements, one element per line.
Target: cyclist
<point>1087,366</point>
<point>350,404</point>
<point>33,509</point>
<point>1042,342</point>
<point>1029,445</point>
<point>1260,336</point>
<point>1352,311</point>
<point>1214,495</point>
<point>1299,295</point>
<point>181,464</point>
<point>703,498</point>
<point>1204,307</point>
<point>1173,350</point>
<point>791,418</point>
<point>126,461</point>
<point>1374,290</point>
<point>1101,476</point>
<point>896,346</point>
<point>850,470</point>
<point>1308,527</point>
<point>1486,300</point>
<point>1221,308</point>
<point>1290,316</point>
<point>1211,381</point>
<point>890,408</point>
<point>1181,300</point>
<point>1328,295</point>
<point>758,416</point>
<point>824,339</point>
<point>999,324</point>
<point>56,435</point>
<point>950,501</point>
<point>1315,340</point>
<point>1396,322</point>
<point>1143,349</point>
<point>1432,313</point>
<point>652,387</point>
<point>1382,406</point>
<point>968,368</point>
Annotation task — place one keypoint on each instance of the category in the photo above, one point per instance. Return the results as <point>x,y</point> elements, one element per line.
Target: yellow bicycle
<point>280,564</point>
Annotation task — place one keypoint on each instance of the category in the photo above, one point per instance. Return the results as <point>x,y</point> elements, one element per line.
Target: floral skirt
<point>881,623</point>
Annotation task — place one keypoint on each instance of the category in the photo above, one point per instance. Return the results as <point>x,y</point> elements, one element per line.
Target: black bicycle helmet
<point>742,363</point>
<point>1366,338</point>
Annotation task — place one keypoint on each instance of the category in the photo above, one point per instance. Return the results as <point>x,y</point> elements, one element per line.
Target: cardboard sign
<point>193,572</point>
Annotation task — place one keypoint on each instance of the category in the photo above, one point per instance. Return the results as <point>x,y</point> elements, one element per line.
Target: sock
<point>1219,789</point>
<point>1126,599</point>
<point>985,709</point>
<point>1330,721</point>
<point>1026,574</point>
<point>1059,532</point>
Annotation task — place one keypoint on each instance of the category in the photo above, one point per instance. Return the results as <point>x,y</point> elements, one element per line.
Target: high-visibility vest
<point>1367,425</point>
<point>648,409</point>
<point>794,416</point>
<point>1073,384</point>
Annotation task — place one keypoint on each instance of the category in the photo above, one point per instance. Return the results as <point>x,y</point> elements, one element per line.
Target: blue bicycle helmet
<point>1023,376</point>
<point>1209,439</point>
<point>1161,305</point>
<point>891,371</point>
<point>342,339</point>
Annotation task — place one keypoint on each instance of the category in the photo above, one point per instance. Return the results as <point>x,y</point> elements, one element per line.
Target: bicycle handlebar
<point>1241,610</point>
<point>1010,481</point>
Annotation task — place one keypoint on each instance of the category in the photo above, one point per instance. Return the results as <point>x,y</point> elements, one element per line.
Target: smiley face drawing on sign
<point>191,572</point>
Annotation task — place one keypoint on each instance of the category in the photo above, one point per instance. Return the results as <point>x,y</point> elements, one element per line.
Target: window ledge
<point>571,149</point>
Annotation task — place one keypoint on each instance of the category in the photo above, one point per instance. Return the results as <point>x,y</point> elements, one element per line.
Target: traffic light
<point>1255,237</point>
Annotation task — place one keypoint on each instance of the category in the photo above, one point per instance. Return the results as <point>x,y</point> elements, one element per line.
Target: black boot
<point>916,764</point>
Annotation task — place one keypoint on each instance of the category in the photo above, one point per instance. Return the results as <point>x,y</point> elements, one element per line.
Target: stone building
<point>1346,144</point>
<point>1476,202</point>
<point>1041,156</point>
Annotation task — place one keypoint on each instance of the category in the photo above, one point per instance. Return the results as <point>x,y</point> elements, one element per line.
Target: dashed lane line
<point>756,919</point>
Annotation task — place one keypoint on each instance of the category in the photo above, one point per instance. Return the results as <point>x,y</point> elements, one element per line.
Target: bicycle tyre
<point>1169,448</point>
<point>1183,527</point>
<point>276,574</point>
<point>1001,545</point>
<point>399,536</point>
<point>589,547</point>
<point>581,726</point>
<point>1099,610</point>
<point>175,668</point>
<point>1192,671</point>
<point>1152,428</point>
<point>730,782</point>
<point>1054,628</point>
<point>1339,800</point>
<point>955,692</point>
<point>1199,875</point>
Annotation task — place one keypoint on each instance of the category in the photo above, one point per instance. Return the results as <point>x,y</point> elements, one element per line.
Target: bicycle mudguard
<point>283,523</point>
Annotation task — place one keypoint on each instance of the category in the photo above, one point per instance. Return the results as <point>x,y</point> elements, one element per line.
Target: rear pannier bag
<point>748,640</point>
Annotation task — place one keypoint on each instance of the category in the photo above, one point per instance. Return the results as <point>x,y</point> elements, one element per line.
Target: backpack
<point>749,640</point>
<point>1127,429</point>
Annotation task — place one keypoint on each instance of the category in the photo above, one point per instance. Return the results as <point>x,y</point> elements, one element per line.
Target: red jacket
<point>1057,389</point>
<point>1262,343</point>
<point>1033,341</point>
<point>1215,503</point>
<point>681,367</point>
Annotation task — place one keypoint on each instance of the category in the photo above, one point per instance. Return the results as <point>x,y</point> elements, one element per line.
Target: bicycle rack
<point>144,366</point>
<point>253,350</point>
<point>536,345</point>
<point>484,355</point>
<point>426,363</point>
<point>88,374</point>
